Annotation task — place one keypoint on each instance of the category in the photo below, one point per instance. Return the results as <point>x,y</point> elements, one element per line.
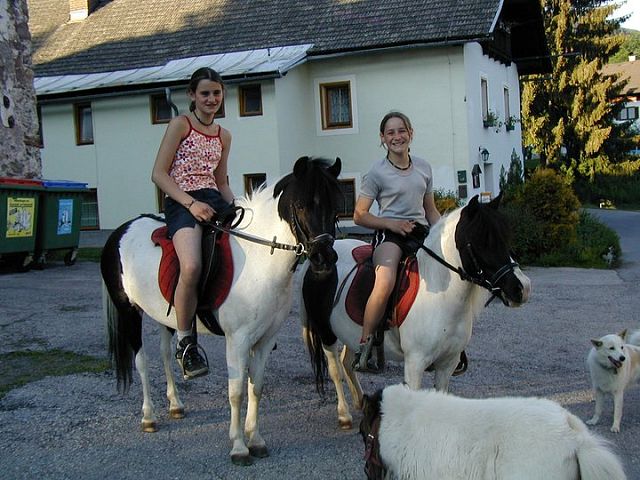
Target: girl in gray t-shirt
<point>402,186</point>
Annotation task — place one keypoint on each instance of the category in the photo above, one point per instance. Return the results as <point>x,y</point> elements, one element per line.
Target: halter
<point>478,278</point>
<point>373,466</point>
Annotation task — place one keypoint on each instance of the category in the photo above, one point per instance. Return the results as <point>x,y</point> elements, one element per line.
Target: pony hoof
<point>345,424</point>
<point>149,426</point>
<point>241,460</point>
<point>176,413</point>
<point>259,452</point>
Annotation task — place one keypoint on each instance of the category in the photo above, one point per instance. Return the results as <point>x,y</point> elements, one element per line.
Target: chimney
<point>80,9</point>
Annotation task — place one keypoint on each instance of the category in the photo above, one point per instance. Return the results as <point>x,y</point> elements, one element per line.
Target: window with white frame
<point>83,123</point>
<point>627,113</point>
<point>484,94</point>
<point>507,110</point>
<point>336,105</point>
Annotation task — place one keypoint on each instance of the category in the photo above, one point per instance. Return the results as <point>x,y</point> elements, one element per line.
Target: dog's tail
<point>596,459</point>
<point>634,338</point>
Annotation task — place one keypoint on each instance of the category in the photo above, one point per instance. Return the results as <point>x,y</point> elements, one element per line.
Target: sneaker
<point>363,361</point>
<point>193,364</point>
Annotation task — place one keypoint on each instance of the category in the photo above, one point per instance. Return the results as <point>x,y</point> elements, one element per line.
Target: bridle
<point>478,277</point>
<point>373,466</point>
<point>325,239</point>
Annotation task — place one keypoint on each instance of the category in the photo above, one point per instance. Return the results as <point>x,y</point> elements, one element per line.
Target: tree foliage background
<point>567,116</point>
<point>631,45</point>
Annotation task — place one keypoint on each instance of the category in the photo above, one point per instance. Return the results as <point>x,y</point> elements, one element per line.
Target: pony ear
<point>335,168</point>
<point>472,206</point>
<point>495,203</point>
<point>300,167</point>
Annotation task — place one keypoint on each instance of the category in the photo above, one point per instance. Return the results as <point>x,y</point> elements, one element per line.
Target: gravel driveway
<point>79,427</point>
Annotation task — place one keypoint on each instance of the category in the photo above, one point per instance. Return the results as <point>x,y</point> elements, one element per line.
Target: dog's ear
<point>596,343</point>
<point>623,334</point>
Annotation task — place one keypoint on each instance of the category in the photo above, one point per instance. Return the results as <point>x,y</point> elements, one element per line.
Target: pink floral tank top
<point>196,159</point>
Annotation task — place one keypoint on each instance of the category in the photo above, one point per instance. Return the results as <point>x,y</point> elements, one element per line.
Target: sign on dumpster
<point>20,217</point>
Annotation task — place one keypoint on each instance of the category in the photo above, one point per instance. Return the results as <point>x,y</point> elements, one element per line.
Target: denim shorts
<point>177,216</point>
<point>409,244</point>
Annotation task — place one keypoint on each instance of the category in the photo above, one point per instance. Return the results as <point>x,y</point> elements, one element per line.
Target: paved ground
<point>79,427</point>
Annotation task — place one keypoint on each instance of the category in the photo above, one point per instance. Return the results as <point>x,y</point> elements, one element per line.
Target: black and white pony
<point>415,435</point>
<point>464,261</point>
<point>296,216</point>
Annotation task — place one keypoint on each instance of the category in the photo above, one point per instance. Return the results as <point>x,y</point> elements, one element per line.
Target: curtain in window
<point>86,128</point>
<point>339,106</point>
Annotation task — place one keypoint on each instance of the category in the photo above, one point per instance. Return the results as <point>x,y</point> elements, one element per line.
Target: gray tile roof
<point>122,34</point>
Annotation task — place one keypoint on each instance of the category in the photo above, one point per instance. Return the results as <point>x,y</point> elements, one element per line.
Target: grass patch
<point>19,368</point>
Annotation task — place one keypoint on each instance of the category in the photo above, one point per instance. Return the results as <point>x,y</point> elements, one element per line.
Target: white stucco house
<point>302,78</point>
<point>630,96</point>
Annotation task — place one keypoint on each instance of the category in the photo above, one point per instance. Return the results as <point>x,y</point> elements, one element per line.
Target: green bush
<point>446,200</point>
<point>553,204</point>
<point>620,188</point>
<point>528,233</point>
<point>549,228</point>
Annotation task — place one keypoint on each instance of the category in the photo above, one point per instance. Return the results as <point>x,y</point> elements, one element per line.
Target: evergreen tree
<point>567,116</point>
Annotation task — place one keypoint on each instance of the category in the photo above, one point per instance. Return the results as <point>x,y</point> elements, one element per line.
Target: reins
<point>301,248</point>
<point>479,280</point>
<point>298,249</point>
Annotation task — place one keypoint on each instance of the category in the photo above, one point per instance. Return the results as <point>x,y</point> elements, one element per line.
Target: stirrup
<point>198,349</point>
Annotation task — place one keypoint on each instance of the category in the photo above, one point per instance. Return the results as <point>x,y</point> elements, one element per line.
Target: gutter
<point>129,90</point>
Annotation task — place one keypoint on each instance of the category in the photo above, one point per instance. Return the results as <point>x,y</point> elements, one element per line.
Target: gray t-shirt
<point>399,193</point>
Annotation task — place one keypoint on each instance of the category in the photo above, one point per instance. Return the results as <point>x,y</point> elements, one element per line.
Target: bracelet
<point>189,206</point>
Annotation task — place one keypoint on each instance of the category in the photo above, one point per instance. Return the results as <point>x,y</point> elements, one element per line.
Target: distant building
<point>631,94</point>
<point>303,78</point>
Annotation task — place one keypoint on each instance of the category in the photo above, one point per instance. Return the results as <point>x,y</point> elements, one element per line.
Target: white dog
<point>416,435</point>
<point>613,363</point>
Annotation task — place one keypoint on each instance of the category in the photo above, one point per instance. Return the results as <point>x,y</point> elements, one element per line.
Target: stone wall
<point>19,139</point>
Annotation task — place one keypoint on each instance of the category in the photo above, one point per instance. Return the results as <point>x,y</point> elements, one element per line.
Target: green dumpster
<point>59,219</point>
<point>19,202</point>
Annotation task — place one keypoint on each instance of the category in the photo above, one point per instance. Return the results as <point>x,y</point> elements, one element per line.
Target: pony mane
<point>310,185</point>
<point>489,228</point>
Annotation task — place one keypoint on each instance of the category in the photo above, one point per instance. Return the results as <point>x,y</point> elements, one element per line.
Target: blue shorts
<point>177,216</point>
<point>409,244</point>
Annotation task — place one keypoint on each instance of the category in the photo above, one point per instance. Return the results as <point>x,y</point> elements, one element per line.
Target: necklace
<point>396,166</point>
<point>203,123</point>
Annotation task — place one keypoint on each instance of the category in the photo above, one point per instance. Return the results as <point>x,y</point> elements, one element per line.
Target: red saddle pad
<point>401,299</point>
<point>169,270</point>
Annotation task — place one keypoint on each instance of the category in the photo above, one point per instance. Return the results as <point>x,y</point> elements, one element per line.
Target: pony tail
<point>192,106</point>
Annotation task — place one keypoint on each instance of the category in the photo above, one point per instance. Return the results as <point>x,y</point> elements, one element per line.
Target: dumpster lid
<point>63,184</point>
<point>24,182</point>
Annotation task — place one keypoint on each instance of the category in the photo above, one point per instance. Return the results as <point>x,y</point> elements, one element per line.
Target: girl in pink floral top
<point>191,169</point>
